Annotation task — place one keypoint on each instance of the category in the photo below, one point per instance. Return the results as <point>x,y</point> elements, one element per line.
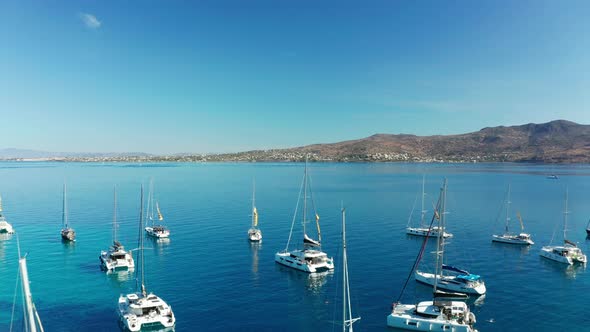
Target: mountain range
<point>558,141</point>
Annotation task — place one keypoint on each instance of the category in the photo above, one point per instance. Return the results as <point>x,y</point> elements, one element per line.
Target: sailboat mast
<point>115,214</point>
<point>507,209</point>
<point>64,213</point>
<point>423,197</point>
<point>253,200</point>
<point>304,214</point>
<point>30,315</point>
<point>565,213</point>
<point>440,238</point>
<point>143,292</point>
<point>344,271</point>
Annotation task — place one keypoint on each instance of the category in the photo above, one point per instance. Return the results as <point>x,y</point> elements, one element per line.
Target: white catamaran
<point>569,253</point>
<point>142,309</point>
<point>311,258</point>
<point>152,229</point>
<point>5,227</point>
<point>440,314</point>
<point>458,280</point>
<point>254,233</point>
<point>347,319</point>
<point>116,258</point>
<point>522,238</point>
<point>67,233</point>
<point>423,230</point>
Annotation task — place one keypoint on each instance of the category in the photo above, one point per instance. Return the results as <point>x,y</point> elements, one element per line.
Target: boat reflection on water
<point>120,275</point>
<point>254,247</point>
<point>313,281</point>
<point>3,238</point>
<point>159,244</point>
<point>150,329</point>
<point>570,271</point>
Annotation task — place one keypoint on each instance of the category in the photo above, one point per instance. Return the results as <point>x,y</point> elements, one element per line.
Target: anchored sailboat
<point>347,319</point>
<point>311,258</point>
<point>522,238</point>
<point>5,227</point>
<point>254,233</point>
<point>422,230</point>
<point>440,314</point>
<point>459,280</point>
<point>153,229</point>
<point>143,309</point>
<point>569,253</point>
<point>116,258</point>
<point>67,233</point>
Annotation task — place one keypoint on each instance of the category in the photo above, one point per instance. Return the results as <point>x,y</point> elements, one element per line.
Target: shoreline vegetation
<point>555,142</point>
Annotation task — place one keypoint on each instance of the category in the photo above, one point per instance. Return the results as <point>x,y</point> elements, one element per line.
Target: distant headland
<point>557,141</point>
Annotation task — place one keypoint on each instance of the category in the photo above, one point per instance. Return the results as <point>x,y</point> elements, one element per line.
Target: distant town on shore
<point>557,141</point>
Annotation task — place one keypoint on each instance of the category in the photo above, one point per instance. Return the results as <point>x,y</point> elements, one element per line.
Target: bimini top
<point>470,277</point>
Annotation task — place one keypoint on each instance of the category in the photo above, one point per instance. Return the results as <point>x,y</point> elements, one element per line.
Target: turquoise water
<point>216,281</point>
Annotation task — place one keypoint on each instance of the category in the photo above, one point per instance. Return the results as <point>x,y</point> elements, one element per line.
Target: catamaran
<point>456,279</point>
<point>158,231</point>
<point>67,233</point>
<point>522,238</point>
<point>254,233</point>
<point>142,309</point>
<point>311,258</point>
<point>5,227</point>
<point>440,314</point>
<point>569,253</point>
<point>347,319</point>
<point>116,258</point>
<point>422,230</point>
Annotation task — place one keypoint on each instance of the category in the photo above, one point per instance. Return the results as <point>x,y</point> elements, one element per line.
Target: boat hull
<point>511,240</point>
<point>292,261</point>
<point>108,264</point>
<point>421,231</point>
<point>547,252</point>
<point>163,234</point>
<point>254,235</point>
<point>450,283</point>
<point>68,234</point>
<point>154,320</point>
<point>404,317</point>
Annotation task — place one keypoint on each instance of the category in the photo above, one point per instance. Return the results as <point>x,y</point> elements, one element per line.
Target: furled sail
<point>570,243</point>
<point>317,222</point>
<point>309,241</point>
<point>160,216</point>
<point>454,269</point>
<point>255,214</point>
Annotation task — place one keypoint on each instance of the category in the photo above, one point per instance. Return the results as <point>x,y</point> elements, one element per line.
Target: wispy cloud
<point>90,20</point>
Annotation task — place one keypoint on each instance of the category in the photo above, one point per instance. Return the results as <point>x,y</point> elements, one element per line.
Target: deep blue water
<point>216,281</point>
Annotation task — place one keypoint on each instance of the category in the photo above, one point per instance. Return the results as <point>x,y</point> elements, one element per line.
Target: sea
<point>215,280</point>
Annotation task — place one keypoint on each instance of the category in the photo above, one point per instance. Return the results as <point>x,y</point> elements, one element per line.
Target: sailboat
<point>142,309</point>
<point>116,258</point>
<point>423,230</point>
<point>522,238</point>
<point>310,258</point>
<point>32,319</point>
<point>440,314</point>
<point>5,227</point>
<point>158,231</point>
<point>254,233</point>
<point>569,253</point>
<point>456,279</point>
<point>67,233</point>
<point>347,319</point>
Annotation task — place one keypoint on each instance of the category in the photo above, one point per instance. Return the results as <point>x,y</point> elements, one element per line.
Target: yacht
<point>441,313</point>
<point>455,279</point>
<point>522,238</point>
<point>67,233</point>
<point>568,253</point>
<point>142,309</point>
<point>5,227</point>
<point>310,257</point>
<point>153,229</point>
<point>116,258</point>
<point>254,233</point>
<point>422,229</point>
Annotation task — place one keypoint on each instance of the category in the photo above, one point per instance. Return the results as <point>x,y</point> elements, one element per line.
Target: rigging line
<point>500,210</point>
<point>421,252</point>
<point>14,297</point>
<point>295,214</point>
<point>412,212</point>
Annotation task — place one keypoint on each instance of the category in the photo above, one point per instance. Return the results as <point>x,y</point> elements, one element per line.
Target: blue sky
<point>219,76</point>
